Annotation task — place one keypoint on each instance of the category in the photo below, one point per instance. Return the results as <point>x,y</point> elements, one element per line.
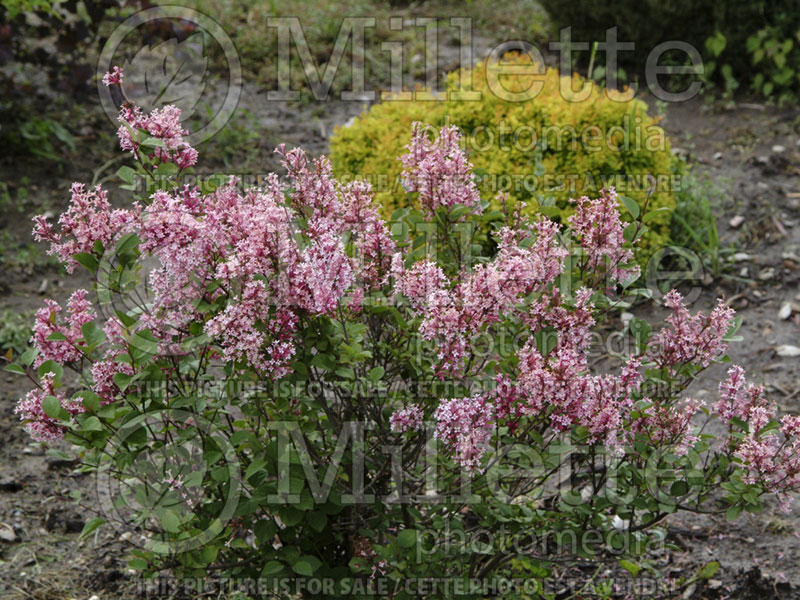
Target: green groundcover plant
<point>275,385</point>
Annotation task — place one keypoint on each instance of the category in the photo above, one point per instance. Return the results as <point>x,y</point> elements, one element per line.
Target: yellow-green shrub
<point>369,146</point>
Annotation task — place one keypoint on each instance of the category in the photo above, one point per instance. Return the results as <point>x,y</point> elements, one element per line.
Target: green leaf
<point>376,373</point>
<point>90,400</point>
<point>290,516</point>
<point>153,142</point>
<point>56,336</point>
<point>92,424</point>
<point>27,357</point>
<point>90,527</point>
<point>92,335</point>
<point>15,368</point>
<point>273,567</point>
<point>630,567</point>
<point>166,169</point>
<point>679,489</point>
<point>127,242</point>
<point>51,366</point>
<point>87,260</point>
<point>51,406</point>
<point>324,362</point>
<point>138,564</point>
<point>171,522</point>
<point>407,538</point>
<point>303,567</point>
<point>317,519</point>
<point>126,174</point>
<point>122,380</point>
<point>708,571</point>
<point>143,345</point>
<point>733,512</point>
<point>631,205</point>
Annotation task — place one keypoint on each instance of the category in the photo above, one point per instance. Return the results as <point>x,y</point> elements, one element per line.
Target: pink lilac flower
<point>236,326</point>
<point>113,77</point>
<point>408,418</point>
<point>451,316</point>
<point>103,372</point>
<point>559,389</point>
<point>41,427</point>
<point>46,324</point>
<point>89,219</point>
<point>163,124</point>
<point>418,282</point>
<point>324,274</point>
<point>439,170</point>
<point>374,245</point>
<point>599,230</point>
<point>465,426</point>
<point>739,399</point>
<point>116,333</point>
<point>666,424</point>
<point>697,339</point>
<point>768,461</point>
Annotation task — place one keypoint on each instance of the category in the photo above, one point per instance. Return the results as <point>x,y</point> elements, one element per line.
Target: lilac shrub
<point>368,392</point>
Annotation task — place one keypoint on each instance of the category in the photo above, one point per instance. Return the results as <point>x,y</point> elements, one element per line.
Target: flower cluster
<point>465,424</point>
<point>66,348</point>
<point>770,455</point>
<point>598,229</point>
<point>408,418</point>
<point>163,125</point>
<point>113,77</point>
<point>668,425</point>
<point>697,339</point>
<point>87,221</point>
<point>268,256</point>
<point>439,170</point>
<point>453,314</point>
<point>41,427</point>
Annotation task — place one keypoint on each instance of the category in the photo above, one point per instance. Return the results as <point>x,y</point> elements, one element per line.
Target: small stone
<point>740,257</point>
<point>736,222</point>
<point>767,274</point>
<point>785,311</point>
<point>744,272</point>
<point>788,351</point>
<point>762,160</point>
<point>791,256</point>
<point>689,591</point>
<point>714,584</point>
<point>42,287</point>
<point>778,149</point>
<point>717,155</point>
<point>7,533</point>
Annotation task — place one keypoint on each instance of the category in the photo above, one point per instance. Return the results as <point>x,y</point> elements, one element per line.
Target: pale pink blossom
<point>41,427</point>
<point>439,171</point>
<point>408,418</point>
<point>465,425</point>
